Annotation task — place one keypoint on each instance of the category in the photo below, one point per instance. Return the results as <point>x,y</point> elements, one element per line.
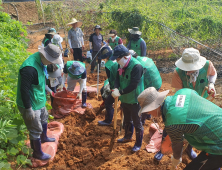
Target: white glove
<point>60,87</point>
<point>79,96</point>
<point>175,162</point>
<point>211,87</point>
<point>29,114</point>
<point>115,93</point>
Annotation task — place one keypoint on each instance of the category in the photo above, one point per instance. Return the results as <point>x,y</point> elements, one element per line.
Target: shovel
<point>122,117</point>
<point>115,132</point>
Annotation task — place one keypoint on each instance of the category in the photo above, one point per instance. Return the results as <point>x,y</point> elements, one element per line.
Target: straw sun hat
<point>191,60</point>
<point>150,99</point>
<point>73,21</point>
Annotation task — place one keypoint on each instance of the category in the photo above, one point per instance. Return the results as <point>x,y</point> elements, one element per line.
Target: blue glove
<point>104,42</point>
<point>91,51</point>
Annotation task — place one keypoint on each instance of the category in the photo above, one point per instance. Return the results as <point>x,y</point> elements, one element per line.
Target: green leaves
<point>21,159</point>
<point>13,151</point>
<point>5,166</point>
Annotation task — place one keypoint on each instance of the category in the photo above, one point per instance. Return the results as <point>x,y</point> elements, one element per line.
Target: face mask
<point>53,82</point>
<point>122,62</point>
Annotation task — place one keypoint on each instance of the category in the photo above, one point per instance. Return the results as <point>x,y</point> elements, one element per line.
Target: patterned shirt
<point>76,36</point>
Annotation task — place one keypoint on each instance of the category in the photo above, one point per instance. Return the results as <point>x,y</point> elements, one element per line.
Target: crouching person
<point>31,96</point>
<point>75,71</point>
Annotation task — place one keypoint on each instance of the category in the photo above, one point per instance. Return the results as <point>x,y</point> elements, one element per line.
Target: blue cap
<point>119,51</point>
<point>76,68</point>
<point>106,52</point>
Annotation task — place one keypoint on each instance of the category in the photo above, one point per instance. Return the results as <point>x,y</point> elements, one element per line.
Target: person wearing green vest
<point>114,40</point>
<point>111,68</point>
<point>137,43</point>
<point>31,96</point>
<point>152,77</point>
<point>48,37</point>
<point>75,71</point>
<point>190,116</point>
<point>195,72</point>
<point>128,85</point>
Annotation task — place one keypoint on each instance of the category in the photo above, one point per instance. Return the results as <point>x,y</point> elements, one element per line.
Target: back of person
<point>152,76</point>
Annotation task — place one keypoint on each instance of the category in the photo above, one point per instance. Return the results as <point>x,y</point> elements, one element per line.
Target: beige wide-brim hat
<point>51,52</point>
<point>73,21</point>
<point>150,99</point>
<point>134,30</point>
<point>110,35</point>
<point>191,60</point>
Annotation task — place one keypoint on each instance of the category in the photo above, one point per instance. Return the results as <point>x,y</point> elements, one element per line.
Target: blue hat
<point>119,51</point>
<point>76,68</point>
<point>106,52</point>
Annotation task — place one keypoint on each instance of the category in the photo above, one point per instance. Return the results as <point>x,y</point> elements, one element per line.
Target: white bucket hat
<point>56,39</point>
<point>135,30</point>
<point>191,60</point>
<point>150,99</point>
<point>132,52</point>
<point>73,21</point>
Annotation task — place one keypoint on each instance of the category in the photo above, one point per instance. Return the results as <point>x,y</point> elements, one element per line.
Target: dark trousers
<point>205,162</point>
<point>77,54</point>
<point>130,112</point>
<point>93,64</point>
<point>109,107</point>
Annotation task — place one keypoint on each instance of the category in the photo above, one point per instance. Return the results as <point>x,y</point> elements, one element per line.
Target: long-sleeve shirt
<point>176,134</point>
<point>29,76</point>
<point>136,75</point>
<point>142,47</point>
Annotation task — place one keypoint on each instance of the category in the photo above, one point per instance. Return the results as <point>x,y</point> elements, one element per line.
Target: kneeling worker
<point>31,96</point>
<point>75,71</point>
<point>190,116</point>
<point>128,85</point>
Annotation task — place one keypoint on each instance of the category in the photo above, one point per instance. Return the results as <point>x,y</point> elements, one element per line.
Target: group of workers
<point>135,80</point>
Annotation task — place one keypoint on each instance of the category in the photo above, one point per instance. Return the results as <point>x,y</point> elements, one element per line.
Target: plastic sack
<point>65,102</point>
<point>55,129</point>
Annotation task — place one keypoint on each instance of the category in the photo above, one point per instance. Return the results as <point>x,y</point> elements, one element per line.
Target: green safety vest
<point>201,81</point>
<point>45,41</point>
<point>106,82</point>
<point>197,110</point>
<point>130,98</point>
<point>37,92</point>
<point>69,64</point>
<point>113,44</point>
<point>135,45</point>
<point>112,66</point>
<point>152,76</point>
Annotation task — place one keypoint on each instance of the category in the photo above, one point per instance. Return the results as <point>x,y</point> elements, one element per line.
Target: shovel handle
<point>115,113</point>
<point>205,89</point>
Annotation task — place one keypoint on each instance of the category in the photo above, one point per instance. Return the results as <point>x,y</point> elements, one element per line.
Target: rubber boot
<point>190,152</point>
<point>84,96</point>
<point>145,117</point>
<point>139,139</point>
<point>37,150</point>
<point>44,137</point>
<point>129,128</point>
<point>108,116</point>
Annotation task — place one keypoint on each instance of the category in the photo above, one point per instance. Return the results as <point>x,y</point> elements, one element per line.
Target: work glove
<point>29,114</point>
<point>175,162</point>
<point>79,96</point>
<point>91,51</point>
<point>211,88</point>
<point>52,93</point>
<point>115,93</point>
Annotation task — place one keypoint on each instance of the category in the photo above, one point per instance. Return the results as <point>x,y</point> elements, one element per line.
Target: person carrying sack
<point>152,77</point>
<point>48,37</point>
<point>136,42</point>
<point>111,68</point>
<point>75,71</point>
<point>54,80</point>
<point>189,116</point>
<point>75,39</point>
<point>128,85</point>
<point>31,96</point>
<point>114,40</point>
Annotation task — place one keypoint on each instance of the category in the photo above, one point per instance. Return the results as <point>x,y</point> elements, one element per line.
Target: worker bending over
<point>31,96</point>
<point>190,116</point>
<point>128,85</point>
